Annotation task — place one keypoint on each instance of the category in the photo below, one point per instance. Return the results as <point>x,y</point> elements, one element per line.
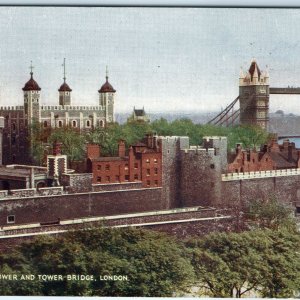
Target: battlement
<point>215,138</point>
<point>14,108</point>
<point>182,141</point>
<point>199,150</point>
<point>71,108</point>
<point>260,174</point>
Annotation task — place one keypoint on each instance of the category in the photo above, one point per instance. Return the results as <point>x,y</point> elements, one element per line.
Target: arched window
<point>74,123</point>
<point>88,123</point>
<point>60,123</point>
<point>45,124</point>
<point>13,126</point>
<point>101,123</point>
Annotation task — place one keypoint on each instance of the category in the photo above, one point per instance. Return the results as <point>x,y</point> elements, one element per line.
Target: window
<point>60,123</point>
<point>45,124</point>
<point>155,160</point>
<point>98,179</point>
<point>147,160</point>
<point>99,167</point>
<point>107,167</point>
<point>88,123</point>
<point>13,140</point>
<point>126,167</point>
<point>13,126</point>
<point>148,182</point>
<point>107,178</point>
<point>11,219</point>
<point>148,172</point>
<point>136,176</point>
<point>156,182</point>
<point>155,171</point>
<point>117,178</point>
<point>126,177</point>
<point>212,166</point>
<point>101,123</point>
<point>74,123</point>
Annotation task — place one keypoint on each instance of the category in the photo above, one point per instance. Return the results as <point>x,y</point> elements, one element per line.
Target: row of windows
<point>154,160</point>
<point>117,178</point>
<point>107,168</point>
<point>149,183</point>
<point>74,123</point>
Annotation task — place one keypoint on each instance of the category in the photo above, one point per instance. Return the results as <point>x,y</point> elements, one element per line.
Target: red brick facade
<point>143,163</point>
<point>270,157</point>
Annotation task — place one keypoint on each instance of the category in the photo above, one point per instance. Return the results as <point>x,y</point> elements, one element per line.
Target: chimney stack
<point>93,151</point>
<point>290,153</point>
<point>57,148</point>
<point>121,148</point>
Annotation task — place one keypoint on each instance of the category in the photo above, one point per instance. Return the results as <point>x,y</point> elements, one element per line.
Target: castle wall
<point>200,177</point>
<point>14,136</point>
<point>241,192</point>
<point>52,208</point>
<point>171,169</point>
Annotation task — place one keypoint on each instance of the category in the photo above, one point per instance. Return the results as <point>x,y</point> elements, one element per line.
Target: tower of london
<point>19,119</point>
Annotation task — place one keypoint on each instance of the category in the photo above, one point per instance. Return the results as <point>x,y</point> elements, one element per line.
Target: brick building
<point>270,157</point>
<point>142,162</point>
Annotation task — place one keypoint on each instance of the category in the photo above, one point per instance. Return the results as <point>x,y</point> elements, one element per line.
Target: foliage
<point>73,140</point>
<point>271,213</point>
<point>73,143</point>
<point>154,263</point>
<point>251,136</point>
<point>263,261</point>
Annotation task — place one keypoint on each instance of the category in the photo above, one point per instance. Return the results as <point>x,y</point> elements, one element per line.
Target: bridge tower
<point>254,96</point>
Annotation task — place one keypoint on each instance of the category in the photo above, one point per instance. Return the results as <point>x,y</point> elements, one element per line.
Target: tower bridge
<point>251,106</point>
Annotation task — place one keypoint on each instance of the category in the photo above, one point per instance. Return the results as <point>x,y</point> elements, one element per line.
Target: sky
<point>162,59</point>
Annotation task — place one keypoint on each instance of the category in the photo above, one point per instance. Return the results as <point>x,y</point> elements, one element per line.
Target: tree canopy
<point>74,141</point>
<point>263,262</point>
<point>155,264</point>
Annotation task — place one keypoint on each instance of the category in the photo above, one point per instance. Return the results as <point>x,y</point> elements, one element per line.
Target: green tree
<point>271,213</point>
<point>251,136</point>
<point>73,143</point>
<point>155,264</point>
<point>265,262</point>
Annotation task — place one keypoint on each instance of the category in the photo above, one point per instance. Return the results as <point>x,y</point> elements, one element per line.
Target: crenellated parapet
<point>71,108</point>
<point>13,108</point>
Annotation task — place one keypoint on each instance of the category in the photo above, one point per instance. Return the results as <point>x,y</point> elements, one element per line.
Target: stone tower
<point>64,90</point>
<point>106,99</point>
<point>254,96</point>
<point>32,100</point>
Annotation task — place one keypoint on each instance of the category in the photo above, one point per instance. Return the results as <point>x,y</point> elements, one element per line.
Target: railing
<point>260,174</point>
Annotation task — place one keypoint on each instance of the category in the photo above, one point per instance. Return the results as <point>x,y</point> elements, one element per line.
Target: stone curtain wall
<point>52,208</point>
<point>241,192</point>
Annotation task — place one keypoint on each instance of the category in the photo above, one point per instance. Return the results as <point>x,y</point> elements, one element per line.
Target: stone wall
<point>68,206</point>
<point>116,186</point>
<point>77,182</point>
<point>171,169</point>
<point>241,192</point>
<point>47,191</point>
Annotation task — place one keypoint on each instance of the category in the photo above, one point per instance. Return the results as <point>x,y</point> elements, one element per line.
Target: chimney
<point>285,144</point>
<point>290,153</point>
<point>57,148</point>
<point>149,140</point>
<point>238,149</point>
<point>93,151</point>
<point>121,148</point>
